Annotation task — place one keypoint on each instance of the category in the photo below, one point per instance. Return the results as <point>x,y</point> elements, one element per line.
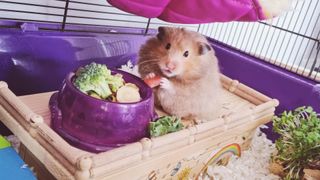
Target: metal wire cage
<point>290,41</point>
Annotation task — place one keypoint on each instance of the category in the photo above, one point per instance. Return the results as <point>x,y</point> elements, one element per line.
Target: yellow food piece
<point>129,93</point>
<point>132,85</point>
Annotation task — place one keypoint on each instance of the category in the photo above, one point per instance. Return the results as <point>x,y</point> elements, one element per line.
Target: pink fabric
<point>193,11</point>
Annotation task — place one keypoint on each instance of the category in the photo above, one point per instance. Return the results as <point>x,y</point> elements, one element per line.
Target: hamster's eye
<point>168,46</point>
<point>186,54</point>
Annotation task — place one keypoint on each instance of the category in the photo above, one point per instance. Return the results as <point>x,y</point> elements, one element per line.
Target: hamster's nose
<point>171,66</point>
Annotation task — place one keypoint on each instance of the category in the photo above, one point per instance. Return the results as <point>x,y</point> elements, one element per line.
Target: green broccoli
<point>93,78</point>
<point>115,82</point>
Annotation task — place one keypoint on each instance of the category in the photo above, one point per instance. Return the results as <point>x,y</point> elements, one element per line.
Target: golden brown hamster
<point>190,85</point>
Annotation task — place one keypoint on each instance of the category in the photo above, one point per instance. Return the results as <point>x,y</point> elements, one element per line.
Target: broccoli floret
<point>93,77</point>
<point>115,82</point>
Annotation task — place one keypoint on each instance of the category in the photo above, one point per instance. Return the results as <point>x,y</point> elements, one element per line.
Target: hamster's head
<point>180,53</point>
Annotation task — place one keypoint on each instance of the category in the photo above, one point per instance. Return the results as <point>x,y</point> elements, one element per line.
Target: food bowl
<point>98,125</point>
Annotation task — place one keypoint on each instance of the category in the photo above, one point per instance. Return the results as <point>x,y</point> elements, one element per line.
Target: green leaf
<point>165,125</point>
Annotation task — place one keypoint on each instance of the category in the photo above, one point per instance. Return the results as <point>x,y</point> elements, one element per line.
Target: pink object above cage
<point>195,11</point>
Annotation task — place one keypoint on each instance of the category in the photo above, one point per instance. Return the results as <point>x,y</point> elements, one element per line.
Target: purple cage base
<point>33,60</point>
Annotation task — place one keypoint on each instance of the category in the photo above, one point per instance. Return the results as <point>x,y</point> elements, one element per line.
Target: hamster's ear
<point>161,32</point>
<point>204,48</point>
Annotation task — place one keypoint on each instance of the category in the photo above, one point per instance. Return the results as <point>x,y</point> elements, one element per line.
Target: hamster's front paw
<point>166,84</point>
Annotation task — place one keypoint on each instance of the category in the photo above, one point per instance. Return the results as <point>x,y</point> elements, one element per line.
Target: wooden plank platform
<point>28,117</point>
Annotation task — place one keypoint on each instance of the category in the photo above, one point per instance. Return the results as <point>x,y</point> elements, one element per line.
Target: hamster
<point>190,85</point>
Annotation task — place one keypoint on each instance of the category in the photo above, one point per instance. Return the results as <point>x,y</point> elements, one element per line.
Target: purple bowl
<point>97,125</point>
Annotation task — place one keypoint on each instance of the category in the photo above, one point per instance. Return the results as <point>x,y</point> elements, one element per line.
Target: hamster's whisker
<point>149,61</point>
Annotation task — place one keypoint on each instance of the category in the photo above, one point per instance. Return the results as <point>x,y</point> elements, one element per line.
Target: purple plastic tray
<point>28,56</point>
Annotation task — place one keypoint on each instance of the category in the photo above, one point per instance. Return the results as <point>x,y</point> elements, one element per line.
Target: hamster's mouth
<point>168,72</point>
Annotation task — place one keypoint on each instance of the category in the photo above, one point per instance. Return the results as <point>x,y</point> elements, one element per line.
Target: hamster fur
<point>190,87</point>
